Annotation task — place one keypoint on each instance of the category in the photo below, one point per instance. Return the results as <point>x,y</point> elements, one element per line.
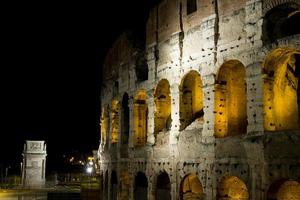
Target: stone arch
<point>125,119</point>
<point>113,185</point>
<point>124,185</point>
<point>232,188</point>
<point>162,99</point>
<point>230,100</point>
<point>104,123</point>
<point>163,187</point>
<point>191,99</point>
<point>284,189</point>
<point>281,21</point>
<point>269,4</point>
<point>115,127</point>
<point>191,188</point>
<point>140,114</point>
<point>140,186</point>
<point>281,89</point>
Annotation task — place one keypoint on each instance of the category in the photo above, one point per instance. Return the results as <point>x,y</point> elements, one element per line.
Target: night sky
<point>51,61</point>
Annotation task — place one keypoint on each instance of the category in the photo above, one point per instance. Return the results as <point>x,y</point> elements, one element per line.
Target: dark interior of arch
<point>141,68</point>
<point>114,186</point>
<point>125,119</point>
<point>141,187</point>
<point>281,21</point>
<point>273,189</point>
<point>163,187</point>
<point>137,37</point>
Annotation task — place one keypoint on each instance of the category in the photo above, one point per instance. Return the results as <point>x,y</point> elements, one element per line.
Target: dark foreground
<point>50,194</point>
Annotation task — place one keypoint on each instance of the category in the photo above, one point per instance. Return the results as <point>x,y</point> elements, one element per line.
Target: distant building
<point>34,164</point>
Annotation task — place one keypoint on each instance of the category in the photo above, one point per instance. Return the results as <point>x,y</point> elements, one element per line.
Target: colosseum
<point>205,106</point>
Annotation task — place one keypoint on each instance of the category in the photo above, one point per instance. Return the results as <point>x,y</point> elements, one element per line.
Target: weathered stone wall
<point>241,162</point>
<point>34,164</point>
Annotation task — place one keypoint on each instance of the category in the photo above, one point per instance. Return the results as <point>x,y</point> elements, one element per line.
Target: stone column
<point>109,184</point>
<point>150,118</point>
<point>151,185</point>
<point>175,113</point>
<point>209,106</point>
<point>151,61</point>
<point>173,183</point>
<point>210,182</point>
<point>131,122</point>
<point>255,113</point>
<point>253,22</point>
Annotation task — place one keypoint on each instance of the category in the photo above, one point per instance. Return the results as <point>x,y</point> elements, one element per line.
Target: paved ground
<point>41,194</point>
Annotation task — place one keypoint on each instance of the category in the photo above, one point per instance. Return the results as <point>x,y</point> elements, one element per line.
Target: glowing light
<point>191,99</point>
<point>163,106</point>
<point>89,170</point>
<point>280,90</point>
<point>230,100</point>
<point>191,187</point>
<point>140,118</point>
<point>115,121</point>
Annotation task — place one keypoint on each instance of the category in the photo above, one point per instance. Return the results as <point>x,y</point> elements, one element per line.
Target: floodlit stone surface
<point>34,164</point>
<point>213,103</point>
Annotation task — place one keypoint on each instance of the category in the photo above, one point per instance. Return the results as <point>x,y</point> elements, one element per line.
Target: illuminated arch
<point>140,118</point>
<point>191,188</point>
<point>284,190</point>
<point>230,100</point>
<point>125,119</point>
<point>163,187</point>
<point>232,188</point>
<point>162,99</point>
<point>141,187</point>
<point>281,21</point>
<point>115,127</point>
<point>281,74</point>
<point>104,123</point>
<point>191,99</point>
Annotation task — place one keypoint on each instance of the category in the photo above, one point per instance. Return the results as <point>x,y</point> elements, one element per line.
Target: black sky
<point>52,53</point>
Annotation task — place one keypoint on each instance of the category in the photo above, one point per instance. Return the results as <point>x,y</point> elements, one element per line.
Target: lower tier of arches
<point>192,180</point>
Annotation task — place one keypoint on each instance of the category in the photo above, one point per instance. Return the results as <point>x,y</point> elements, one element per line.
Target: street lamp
<point>89,169</point>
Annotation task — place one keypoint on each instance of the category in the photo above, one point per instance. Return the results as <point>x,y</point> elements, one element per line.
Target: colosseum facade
<point>206,106</point>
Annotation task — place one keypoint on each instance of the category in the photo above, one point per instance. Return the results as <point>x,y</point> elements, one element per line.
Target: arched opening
<point>141,69</point>
<point>281,90</point>
<point>230,100</point>
<point>162,99</point>
<point>115,121</point>
<point>105,186</point>
<point>281,21</point>
<point>140,119</point>
<point>104,123</point>
<point>191,99</point>
<point>232,188</point>
<point>125,119</point>
<point>284,190</point>
<point>113,186</point>
<point>124,186</point>
<point>141,187</point>
<point>191,188</point>
<point>163,187</point>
